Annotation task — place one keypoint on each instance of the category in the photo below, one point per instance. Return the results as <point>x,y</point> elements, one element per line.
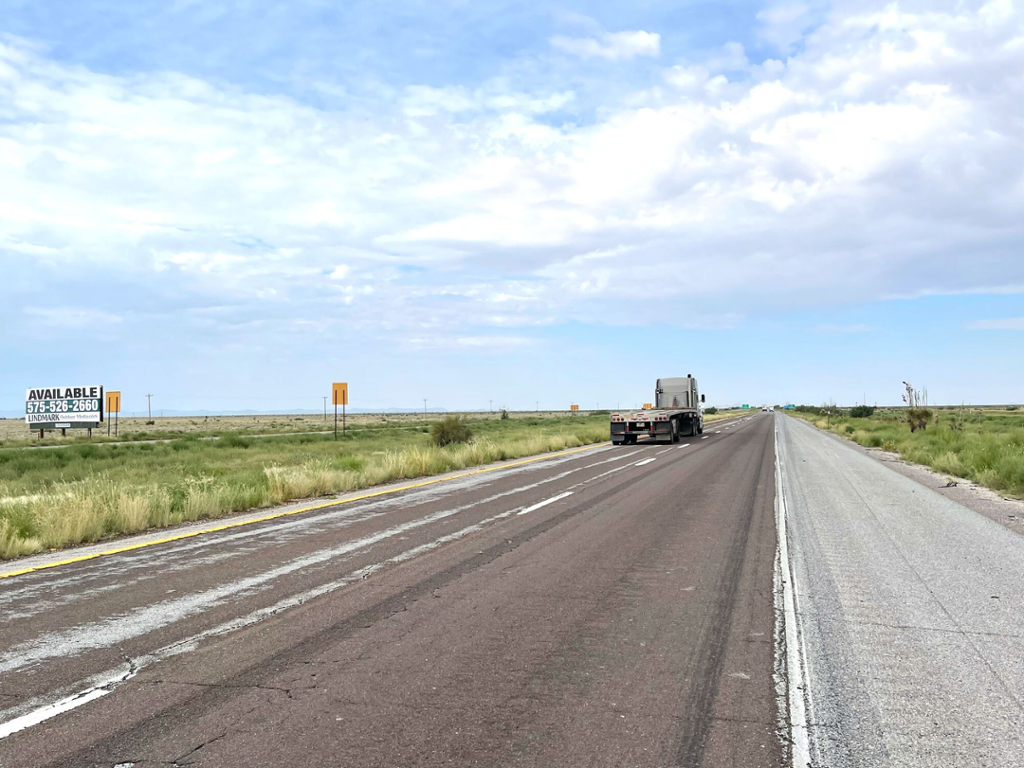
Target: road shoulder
<point>1007,512</point>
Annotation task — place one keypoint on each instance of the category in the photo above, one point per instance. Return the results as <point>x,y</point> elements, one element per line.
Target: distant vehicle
<point>764,409</point>
<point>771,409</point>
<point>676,413</point>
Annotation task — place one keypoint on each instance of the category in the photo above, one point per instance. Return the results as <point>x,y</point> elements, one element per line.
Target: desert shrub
<point>862,411</point>
<point>918,418</point>
<point>504,414</point>
<point>449,430</point>
<point>711,411</point>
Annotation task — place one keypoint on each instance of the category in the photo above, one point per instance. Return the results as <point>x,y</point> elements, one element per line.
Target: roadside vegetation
<point>15,434</point>
<point>985,445</point>
<point>84,493</point>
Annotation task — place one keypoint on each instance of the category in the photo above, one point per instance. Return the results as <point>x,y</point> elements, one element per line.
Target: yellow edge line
<point>276,515</point>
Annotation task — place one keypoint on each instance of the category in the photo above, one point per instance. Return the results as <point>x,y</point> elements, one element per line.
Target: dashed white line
<point>645,461</point>
<point>37,716</point>
<point>544,503</point>
<point>684,445</point>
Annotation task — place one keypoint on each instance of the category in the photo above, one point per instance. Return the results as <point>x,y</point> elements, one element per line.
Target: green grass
<point>983,445</point>
<point>56,498</point>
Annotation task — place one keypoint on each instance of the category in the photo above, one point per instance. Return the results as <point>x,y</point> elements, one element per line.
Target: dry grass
<point>120,490</point>
<point>15,433</point>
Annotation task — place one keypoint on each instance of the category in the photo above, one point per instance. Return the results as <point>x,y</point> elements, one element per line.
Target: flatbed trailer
<point>677,414</point>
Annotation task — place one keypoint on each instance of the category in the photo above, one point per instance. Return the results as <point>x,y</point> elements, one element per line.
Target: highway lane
<point>909,616</point>
<point>608,607</point>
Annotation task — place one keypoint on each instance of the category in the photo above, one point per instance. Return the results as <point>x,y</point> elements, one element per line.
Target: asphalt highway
<point>606,607</point>
<point>762,595</point>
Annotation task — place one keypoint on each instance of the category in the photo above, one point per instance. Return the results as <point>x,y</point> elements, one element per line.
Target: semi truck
<point>676,413</point>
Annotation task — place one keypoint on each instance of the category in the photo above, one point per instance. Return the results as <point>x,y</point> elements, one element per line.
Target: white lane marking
<point>603,474</point>
<point>544,503</point>
<point>106,683</point>
<point>102,687</point>
<point>645,461</point>
<point>114,630</point>
<point>40,582</point>
<point>718,432</point>
<point>705,437</point>
<point>620,457</point>
<point>684,445</point>
<point>793,670</point>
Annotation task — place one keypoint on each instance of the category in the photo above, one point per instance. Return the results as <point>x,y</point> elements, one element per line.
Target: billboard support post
<point>339,395</point>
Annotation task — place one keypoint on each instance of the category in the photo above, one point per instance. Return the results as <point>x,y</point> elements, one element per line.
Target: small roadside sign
<point>114,407</point>
<point>339,396</point>
<point>647,406</point>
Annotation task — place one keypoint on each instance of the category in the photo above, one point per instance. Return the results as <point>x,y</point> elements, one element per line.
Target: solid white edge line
<point>544,503</point>
<point>796,689</point>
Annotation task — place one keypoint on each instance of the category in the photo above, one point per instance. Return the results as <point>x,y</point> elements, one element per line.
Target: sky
<point>229,205</point>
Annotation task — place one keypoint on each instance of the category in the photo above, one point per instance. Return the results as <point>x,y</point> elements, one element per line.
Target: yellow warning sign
<point>113,402</point>
<point>340,393</point>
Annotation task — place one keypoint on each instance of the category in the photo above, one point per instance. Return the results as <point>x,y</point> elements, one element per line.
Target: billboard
<point>64,405</point>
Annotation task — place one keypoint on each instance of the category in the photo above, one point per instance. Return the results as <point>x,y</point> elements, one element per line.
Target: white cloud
<point>1001,324</point>
<point>610,45</point>
<point>783,24</point>
<point>883,159</point>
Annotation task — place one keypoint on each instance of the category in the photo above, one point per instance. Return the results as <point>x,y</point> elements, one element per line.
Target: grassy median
<point>980,444</point>
<point>83,493</point>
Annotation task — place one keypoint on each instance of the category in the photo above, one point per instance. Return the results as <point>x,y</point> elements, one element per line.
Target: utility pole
<point>424,406</point>
<point>490,406</point>
<point>149,404</point>
<point>325,407</point>
<point>537,404</point>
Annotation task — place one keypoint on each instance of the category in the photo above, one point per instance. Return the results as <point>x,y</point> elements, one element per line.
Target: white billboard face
<point>64,405</point>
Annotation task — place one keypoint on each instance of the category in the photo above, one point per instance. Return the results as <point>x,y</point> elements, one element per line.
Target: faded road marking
<point>278,515</point>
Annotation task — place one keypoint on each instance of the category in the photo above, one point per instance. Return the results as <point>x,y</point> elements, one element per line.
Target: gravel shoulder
<point>1005,511</point>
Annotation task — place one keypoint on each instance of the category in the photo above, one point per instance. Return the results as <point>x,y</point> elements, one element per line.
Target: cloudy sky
<point>232,204</point>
